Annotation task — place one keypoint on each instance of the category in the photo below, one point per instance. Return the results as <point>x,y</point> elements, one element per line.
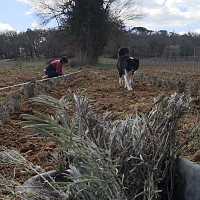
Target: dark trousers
<point>51,74</point>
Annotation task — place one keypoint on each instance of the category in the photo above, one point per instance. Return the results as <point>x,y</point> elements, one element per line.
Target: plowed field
<point>101,86</point>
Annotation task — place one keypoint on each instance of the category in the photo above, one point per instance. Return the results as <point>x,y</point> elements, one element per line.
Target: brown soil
<point>103,87</point>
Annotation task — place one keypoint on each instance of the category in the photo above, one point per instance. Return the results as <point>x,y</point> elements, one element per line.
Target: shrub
<point>4,112</point>
<point>15,101</point>
<point>29,89</point>
<point>181,86</point>
<point>139,76</point>
<point>193,89</point>
<point>159,82</point>
<point>77,62</point>
<point>134,153</point>
<point>152,79</point>
<point>169,84</point>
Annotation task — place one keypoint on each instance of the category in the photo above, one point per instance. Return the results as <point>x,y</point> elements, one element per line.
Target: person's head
<point>64,60</point>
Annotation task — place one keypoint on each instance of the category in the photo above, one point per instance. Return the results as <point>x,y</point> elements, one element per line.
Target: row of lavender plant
<point>181,86</point>
<point>35,88</point>
<point>31,89</point>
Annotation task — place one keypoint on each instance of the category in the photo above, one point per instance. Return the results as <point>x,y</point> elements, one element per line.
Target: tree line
<point>53,43</point>
<point>31,44</point>
<point>162,44</point>
<point>87,29</point>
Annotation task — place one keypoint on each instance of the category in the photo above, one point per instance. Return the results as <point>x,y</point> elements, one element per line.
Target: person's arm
<point>58,67</point>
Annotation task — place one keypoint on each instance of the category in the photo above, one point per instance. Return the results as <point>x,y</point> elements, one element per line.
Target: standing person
<point>54,69</point>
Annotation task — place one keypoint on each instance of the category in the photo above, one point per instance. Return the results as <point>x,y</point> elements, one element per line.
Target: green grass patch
<point>28,67</point>
<point>68,68</point>
<point>22,64</point>
<point>105,63</point>
<point>105,89</point>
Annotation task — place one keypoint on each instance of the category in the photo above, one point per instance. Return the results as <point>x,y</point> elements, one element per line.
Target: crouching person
<point>54,69</point>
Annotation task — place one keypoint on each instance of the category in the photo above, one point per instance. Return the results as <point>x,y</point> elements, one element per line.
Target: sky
<point>179,16</point>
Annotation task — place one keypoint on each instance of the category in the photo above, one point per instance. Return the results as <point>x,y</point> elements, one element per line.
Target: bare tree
<point>88,22</point>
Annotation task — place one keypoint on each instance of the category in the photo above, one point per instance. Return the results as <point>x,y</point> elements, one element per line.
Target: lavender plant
<point>123,159</point>
<point>29,89</point>
<point>193,89</point>
<point>4,112</point>
<point>159,82</point>
<point>152,79</point>
<point>34,88</point>
<point>15,101</point>
<point>134,158</point>
<point>181,86</point>
<point>169,84</point>
<point>139,76</point>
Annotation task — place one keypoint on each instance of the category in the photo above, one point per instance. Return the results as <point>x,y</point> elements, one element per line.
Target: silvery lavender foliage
<point>159,82</point>
<point>15,101</point>
<point>139,76</point>
<point>123,159</point>
<point>50,83</point>
<point>41,88</point>
<point>4,112</point>
<point>193,89</point>
<point>29,89</point>
<point>169,84</point>
<point>152,79</point>
<point>10,156</point>
<point>34,88</point>
<point>181,86</point>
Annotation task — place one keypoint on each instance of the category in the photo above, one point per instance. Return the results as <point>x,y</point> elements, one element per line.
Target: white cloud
<point>25,1</point>
<point>197,31</point>
<point>169,13</point>
<point>37,25</point>
<point>182,33</point>
<point>160,14</point>
<point>28,12</point>
<point>160,2</point>
<point>6,27</point>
